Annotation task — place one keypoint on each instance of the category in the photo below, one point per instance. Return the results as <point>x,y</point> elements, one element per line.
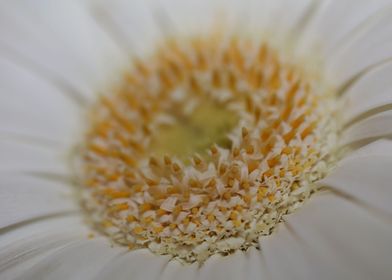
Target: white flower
<point>56,57</point>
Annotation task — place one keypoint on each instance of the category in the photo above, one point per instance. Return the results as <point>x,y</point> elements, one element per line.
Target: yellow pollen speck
<point>147,220</point>
<point>119,207</point>
<point>271,197</point>
<point>145,207</point>
<point>131,218</point>
<point>158,229</point>
<point>138,230</point>
<point>210,217</point>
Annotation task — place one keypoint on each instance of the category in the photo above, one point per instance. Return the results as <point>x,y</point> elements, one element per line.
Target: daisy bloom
<point>170,139</point>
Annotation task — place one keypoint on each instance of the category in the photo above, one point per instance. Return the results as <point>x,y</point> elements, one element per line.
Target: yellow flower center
<point>194,131</point>
<point>204,147</point>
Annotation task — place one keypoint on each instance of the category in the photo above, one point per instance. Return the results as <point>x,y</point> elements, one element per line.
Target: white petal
<point>81,260</point>
<point>23,265</point>
<point>368,46</point>
<point>255,265</point>
<point>60,40</point>
<point>334,21</point>
<point>23,246</point>
<point>342,240</point>
<point>25,197</point>
<point>282,260</point>
<point>260,14</point>
<point>229,267</point>
<point>289,256</point>
<point>279,19</point>
<point>367,178</point>
<point>30,106</point>
<point>39,227</point>
<point>134,23</point>
<point>191,17</point>
<point>99,58</point>
<point>19,156</point>
<point>376,126</point>
<point>138,264</point>
<point>290,15</point>
<point>381,147</point>
<point>175,270</point>
<point>259,17</point>
<point>371,91</point>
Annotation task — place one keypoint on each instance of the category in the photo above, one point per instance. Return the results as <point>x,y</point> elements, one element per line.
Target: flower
<point>191,130</point>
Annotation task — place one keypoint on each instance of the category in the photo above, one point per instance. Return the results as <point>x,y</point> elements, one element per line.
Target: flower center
<point>193,131</point>
<point>204,146</point>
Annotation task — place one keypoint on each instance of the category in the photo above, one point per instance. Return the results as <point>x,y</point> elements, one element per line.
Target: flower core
<point>204,146</point>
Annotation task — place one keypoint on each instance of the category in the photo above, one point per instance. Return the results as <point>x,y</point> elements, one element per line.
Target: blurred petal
<point>190,17</point>
<point>132,23</point>
<point>60,40</point>
<point>175,270</point>
<point>80,260</point>
<point>341,240</point>
<point>141,23</point>
<point>366,178</point>
<point>281,20</point>
<point>23,246</point>
<point>334,21</point>
<point>25,198</point>
<point>370,92</point>
<point>282,257</point>
<point>259,17</point>
<point>255,265</point>
<point>24,157</point>
<point>379,147</point>
<point>290,15</point>
<point>38,227</point>
<point>368,46</point>
<point>138,264</point>
<point>30,106</point>
<point>376,126</point>
<point>225,268</point>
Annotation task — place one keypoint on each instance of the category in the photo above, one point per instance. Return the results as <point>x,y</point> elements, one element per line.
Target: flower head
<point>206,139</point>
